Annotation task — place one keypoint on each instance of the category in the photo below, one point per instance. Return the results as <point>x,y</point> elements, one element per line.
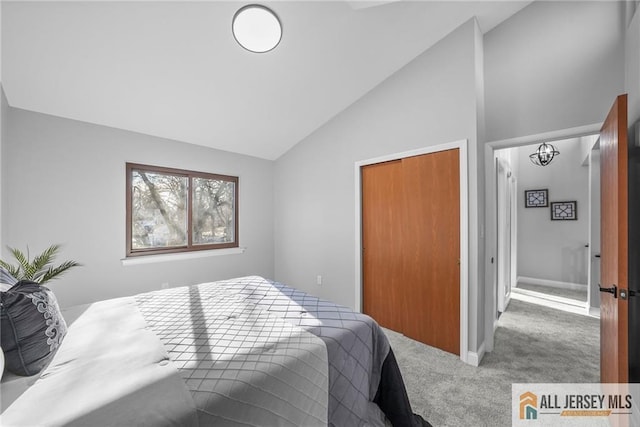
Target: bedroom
<point>72,125</point>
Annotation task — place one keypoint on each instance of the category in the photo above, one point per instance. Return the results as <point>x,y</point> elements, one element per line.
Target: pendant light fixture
<point>256,28</point>
<point>544,154</point>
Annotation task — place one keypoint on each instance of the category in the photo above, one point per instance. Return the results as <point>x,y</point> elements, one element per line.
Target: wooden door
<point>411,247</point>
<point>432,249</point>
<point>382,195</point>
<point>614,344</point>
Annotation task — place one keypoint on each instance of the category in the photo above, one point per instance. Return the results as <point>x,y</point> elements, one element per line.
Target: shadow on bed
<point>356,347</point>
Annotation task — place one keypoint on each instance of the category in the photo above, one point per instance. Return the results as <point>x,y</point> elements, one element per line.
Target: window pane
<point>213,211</point>
<point>158,210</point>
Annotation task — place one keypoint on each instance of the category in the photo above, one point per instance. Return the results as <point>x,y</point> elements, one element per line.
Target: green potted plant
<point>40,269</point>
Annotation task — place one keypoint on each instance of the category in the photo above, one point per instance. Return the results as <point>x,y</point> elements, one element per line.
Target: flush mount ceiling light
<point>544,154</point>
<point>256,28</point>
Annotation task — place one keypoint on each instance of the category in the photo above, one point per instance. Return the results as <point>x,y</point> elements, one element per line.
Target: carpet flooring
<point>580,295</point>
<point>533,344</point>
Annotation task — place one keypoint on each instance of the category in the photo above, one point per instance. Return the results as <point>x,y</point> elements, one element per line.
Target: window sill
<point>150,259</point>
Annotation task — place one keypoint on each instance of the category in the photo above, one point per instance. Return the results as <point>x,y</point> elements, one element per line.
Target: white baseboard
<point>522,295</point>
<point>551,298</point>
<point>474,358</point>
<point>552,283</point>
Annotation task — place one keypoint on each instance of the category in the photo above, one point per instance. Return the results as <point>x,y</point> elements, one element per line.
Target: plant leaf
<point>55,272</point>
<point>39,264</point>
<point>12,269</point>
<point>40,269</point>
<point>24,269</point>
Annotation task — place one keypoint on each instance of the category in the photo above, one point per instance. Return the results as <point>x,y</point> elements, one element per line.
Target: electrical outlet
<point>319,280</point>
<point>164,285</point>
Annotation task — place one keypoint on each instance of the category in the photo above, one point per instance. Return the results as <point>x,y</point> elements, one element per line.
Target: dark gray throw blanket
<point>364,378</point>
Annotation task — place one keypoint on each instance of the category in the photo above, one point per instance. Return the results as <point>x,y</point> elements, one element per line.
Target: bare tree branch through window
<point>170,210</point>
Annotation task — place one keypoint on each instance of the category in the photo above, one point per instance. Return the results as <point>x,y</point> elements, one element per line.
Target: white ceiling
<point>174,70</point>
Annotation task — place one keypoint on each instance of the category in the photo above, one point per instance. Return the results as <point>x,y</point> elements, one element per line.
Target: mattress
<point>247,351</point>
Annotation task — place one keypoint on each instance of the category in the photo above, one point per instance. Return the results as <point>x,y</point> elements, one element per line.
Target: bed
<point>241,352</point>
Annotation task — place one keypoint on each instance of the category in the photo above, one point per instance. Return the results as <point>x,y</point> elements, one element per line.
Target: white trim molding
<point>461,145</point>
<point>575,132</point>
<point>552,283</point>
<point>474,358</point>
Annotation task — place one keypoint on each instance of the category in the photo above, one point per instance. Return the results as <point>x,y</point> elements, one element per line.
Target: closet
<point>411,247</point>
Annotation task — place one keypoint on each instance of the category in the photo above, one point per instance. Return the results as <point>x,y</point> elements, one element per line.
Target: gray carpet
<point>533,344</point>
<point>580,295</point>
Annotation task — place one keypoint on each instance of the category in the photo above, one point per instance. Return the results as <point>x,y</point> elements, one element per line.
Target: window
<point>174,210</point>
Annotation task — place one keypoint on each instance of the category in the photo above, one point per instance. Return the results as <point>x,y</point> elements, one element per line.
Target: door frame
<point>490,279</point>
<point>504,249</point>
<point>508,226</point>
<point>461,145</point>
<point>593,263</point>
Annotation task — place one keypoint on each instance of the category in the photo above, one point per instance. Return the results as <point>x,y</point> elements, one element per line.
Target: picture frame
<point>564,211</point>
<point>536,198</point>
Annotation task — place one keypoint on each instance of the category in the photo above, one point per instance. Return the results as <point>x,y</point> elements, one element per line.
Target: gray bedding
<point>242,365</point>
<point>246,351</point>
<point>109,371</point>
<point>356,345</point>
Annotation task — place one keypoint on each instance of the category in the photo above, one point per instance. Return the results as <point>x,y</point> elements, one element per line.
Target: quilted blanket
<point>242,365</point>
<point>356,345</point>
<point>246,351</point>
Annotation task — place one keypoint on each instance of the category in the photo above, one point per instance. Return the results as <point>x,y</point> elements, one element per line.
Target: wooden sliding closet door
<point>411,247</point>
<point>382,243</point>
<point>432,249</point>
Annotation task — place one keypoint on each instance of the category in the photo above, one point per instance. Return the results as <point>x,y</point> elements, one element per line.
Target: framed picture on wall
<point>536,198</point>
<point>562,211</point>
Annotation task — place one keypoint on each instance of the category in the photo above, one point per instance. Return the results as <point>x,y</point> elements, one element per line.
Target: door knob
<point>612,290</point>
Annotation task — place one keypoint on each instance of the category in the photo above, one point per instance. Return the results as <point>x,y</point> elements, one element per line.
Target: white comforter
<point>113,369</point>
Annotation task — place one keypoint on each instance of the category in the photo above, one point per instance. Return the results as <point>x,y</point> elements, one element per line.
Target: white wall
<point>4,110</point>
<point>553,65</point>
<point>430,101</point>
<point>550,67</point>
<point>594,223</point>
<point>587,143</point>
<point>4,105</point>
<point>65,183</point>
<point>554,250</point>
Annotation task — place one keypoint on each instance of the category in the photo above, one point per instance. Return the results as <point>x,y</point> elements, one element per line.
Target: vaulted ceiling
<point>174,70</point>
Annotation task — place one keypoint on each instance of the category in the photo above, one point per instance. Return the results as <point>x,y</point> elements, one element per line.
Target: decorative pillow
<point>32,327</point>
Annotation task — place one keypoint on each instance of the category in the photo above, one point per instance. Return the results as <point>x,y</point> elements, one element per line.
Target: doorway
<point>577,255</point>
<point>548,233</point>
